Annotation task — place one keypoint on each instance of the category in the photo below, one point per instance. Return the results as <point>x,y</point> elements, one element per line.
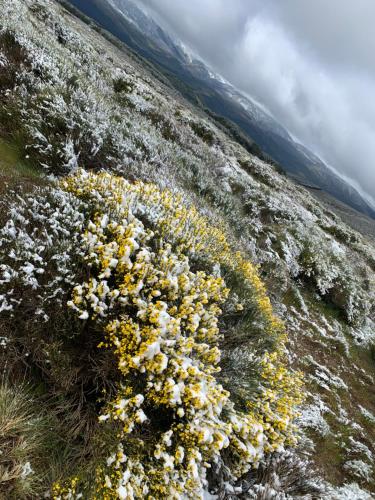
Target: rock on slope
<point>71,95</point>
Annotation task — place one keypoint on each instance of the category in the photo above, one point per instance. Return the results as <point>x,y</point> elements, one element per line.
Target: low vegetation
<point>130,304</point>
<point>136,372</point>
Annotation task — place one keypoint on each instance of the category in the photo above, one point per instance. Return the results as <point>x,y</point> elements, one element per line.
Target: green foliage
<point>13,165</point>
<point>166,127</point>
<point>202,131</point>
<point>121,85</point>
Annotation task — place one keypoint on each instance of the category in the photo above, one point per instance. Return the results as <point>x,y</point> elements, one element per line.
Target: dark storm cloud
<point>311,63</point>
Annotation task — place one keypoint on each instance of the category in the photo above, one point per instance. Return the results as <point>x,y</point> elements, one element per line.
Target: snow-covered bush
<point>160,319</point>
<point>359,469</point>
<point>147,335</point>
<point>325,266</point>
<point>322,262</point>
<point>283,476</point>
<point>39,246</point>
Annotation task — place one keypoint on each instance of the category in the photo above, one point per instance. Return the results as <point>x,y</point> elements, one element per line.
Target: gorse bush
<point>159,316</point>
<point>117,302</point>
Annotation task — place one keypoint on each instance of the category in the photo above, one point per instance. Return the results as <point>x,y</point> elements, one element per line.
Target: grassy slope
<point>328,350</point>
<point>356,368</point>
<point>13,167</point>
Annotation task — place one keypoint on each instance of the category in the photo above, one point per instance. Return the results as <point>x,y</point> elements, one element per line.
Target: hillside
<point>162,289</point>
<point>198,83</point>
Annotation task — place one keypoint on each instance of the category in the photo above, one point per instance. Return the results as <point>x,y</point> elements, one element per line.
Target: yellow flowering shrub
<point>160,318</point>
<point>67,491</point>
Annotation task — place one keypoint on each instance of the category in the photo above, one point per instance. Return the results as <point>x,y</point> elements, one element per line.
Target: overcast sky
<point>310,62</point>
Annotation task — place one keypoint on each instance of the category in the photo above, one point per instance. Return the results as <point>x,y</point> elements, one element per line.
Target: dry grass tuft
<point>22,441</point>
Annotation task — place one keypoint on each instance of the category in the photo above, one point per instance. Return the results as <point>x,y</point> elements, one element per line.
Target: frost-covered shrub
<point>359,469</point>
<point>366,413</point>
<point>341,233</point>
<point>40,9</point>
<point>13,60</point>
<point>160,319</point>
<point>329,266</point>
<point>39,246</point>
<point>283,476</point>
<point>168,130</point>
<point>352,300</point>
<point>322,262</point>
<point>203,131</point>
<point>350,490</point>
<point>14,68</point>
<point>40,263</point>
<point>122,85</point>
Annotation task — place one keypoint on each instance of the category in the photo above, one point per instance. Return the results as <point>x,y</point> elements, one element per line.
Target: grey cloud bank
<point>310,63</point>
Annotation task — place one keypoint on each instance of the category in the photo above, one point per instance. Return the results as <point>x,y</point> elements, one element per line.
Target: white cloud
<point>311,63</point>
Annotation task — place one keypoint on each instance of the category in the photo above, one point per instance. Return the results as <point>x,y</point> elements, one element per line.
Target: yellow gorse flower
<point>161,320</point>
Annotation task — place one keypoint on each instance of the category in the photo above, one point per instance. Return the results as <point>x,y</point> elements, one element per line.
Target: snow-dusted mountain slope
<point>195,80</point>
<point>73,96</point>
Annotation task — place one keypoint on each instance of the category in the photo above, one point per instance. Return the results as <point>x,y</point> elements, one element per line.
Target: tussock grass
<point>24,439</point>
<point>12,164</point>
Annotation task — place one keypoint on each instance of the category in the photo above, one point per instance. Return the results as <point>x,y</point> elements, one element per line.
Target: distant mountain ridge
<point>189,75</point>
